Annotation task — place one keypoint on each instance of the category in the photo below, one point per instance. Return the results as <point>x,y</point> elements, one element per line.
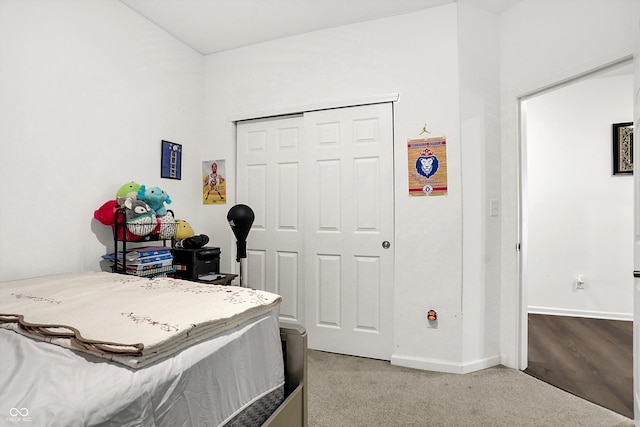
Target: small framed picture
<point>171,161</point>
<point>622,148</point>
<point>214,182</point>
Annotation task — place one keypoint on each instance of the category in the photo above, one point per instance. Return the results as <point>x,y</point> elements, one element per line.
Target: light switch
<point>494,207</point>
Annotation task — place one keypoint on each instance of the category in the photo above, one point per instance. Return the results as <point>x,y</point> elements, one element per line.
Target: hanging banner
<point>427,166</point>
<point>214,185</point>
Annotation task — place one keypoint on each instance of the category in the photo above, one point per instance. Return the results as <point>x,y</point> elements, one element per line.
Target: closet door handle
<point>636,273</point>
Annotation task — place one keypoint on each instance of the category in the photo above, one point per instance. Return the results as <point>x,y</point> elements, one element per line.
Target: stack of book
<point>146,261</point>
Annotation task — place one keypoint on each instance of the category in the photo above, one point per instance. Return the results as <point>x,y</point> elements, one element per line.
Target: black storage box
<point>191,263</point>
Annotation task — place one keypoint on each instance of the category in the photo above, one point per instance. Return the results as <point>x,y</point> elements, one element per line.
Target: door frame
<point>522,213</point>
<point>289,111</point>
<point>305,108</point>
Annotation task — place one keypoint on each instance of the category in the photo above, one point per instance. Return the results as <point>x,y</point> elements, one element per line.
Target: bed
<point>105,349</point>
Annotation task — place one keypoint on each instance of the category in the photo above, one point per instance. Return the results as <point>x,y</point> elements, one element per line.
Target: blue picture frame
<point>171,160</point>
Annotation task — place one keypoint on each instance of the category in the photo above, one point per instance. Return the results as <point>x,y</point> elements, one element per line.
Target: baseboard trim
<point>480,364</point>
<point>580,313</point>
<point>443,366</point>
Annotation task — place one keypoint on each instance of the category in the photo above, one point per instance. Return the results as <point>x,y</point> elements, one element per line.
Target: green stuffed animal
<point>129,189</point>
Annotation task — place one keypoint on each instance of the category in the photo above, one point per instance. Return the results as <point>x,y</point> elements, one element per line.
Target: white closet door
<point>269,177</point>
<point>348,220</point>
<point>321,187</point>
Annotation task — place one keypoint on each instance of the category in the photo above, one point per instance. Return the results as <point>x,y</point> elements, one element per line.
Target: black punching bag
<point>240,219</point>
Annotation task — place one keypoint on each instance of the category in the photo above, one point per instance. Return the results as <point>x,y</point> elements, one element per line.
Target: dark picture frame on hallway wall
<point>171,160</point>
<point>622,148</point>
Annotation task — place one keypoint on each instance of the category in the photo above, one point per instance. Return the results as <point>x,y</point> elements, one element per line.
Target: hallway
<point>591,358</point>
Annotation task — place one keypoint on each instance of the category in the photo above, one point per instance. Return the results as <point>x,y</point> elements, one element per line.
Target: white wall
<point>480,129</point>
<point>415,55</point>
<point>543,42</point>
<point>580,216</point>
<point>87,92</point>
<point>83,108</point>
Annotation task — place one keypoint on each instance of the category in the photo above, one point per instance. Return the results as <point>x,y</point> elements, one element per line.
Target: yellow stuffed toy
<point>183,230</point>
<point>186,238</point>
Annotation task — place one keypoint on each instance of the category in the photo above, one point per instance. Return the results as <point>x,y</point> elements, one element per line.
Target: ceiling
<point>210,26</point>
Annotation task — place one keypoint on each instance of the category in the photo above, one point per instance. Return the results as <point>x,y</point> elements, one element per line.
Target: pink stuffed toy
<point>105,214</point>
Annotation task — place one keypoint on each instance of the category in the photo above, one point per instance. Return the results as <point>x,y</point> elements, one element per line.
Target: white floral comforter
<point>131,320</point>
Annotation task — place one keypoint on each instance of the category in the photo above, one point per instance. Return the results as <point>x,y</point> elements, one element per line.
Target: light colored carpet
<point>353,391</point>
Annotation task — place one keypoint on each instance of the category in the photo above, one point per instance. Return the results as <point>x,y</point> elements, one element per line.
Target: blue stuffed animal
<point>155,198</point>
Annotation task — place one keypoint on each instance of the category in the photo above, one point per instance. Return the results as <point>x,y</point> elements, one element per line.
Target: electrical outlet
<point>432,319</point>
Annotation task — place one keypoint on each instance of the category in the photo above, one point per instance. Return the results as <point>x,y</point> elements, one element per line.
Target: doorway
<point>577,229</point>
<point>321,186</point>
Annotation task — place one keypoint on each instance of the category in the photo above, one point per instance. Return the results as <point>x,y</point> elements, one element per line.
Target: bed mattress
<point>131,320</point>
<point>214,382</point>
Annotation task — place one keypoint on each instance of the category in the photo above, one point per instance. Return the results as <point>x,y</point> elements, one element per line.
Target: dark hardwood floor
<point>591,358</point>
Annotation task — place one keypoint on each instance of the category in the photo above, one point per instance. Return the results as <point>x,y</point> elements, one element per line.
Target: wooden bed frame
<point>293,411</point>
